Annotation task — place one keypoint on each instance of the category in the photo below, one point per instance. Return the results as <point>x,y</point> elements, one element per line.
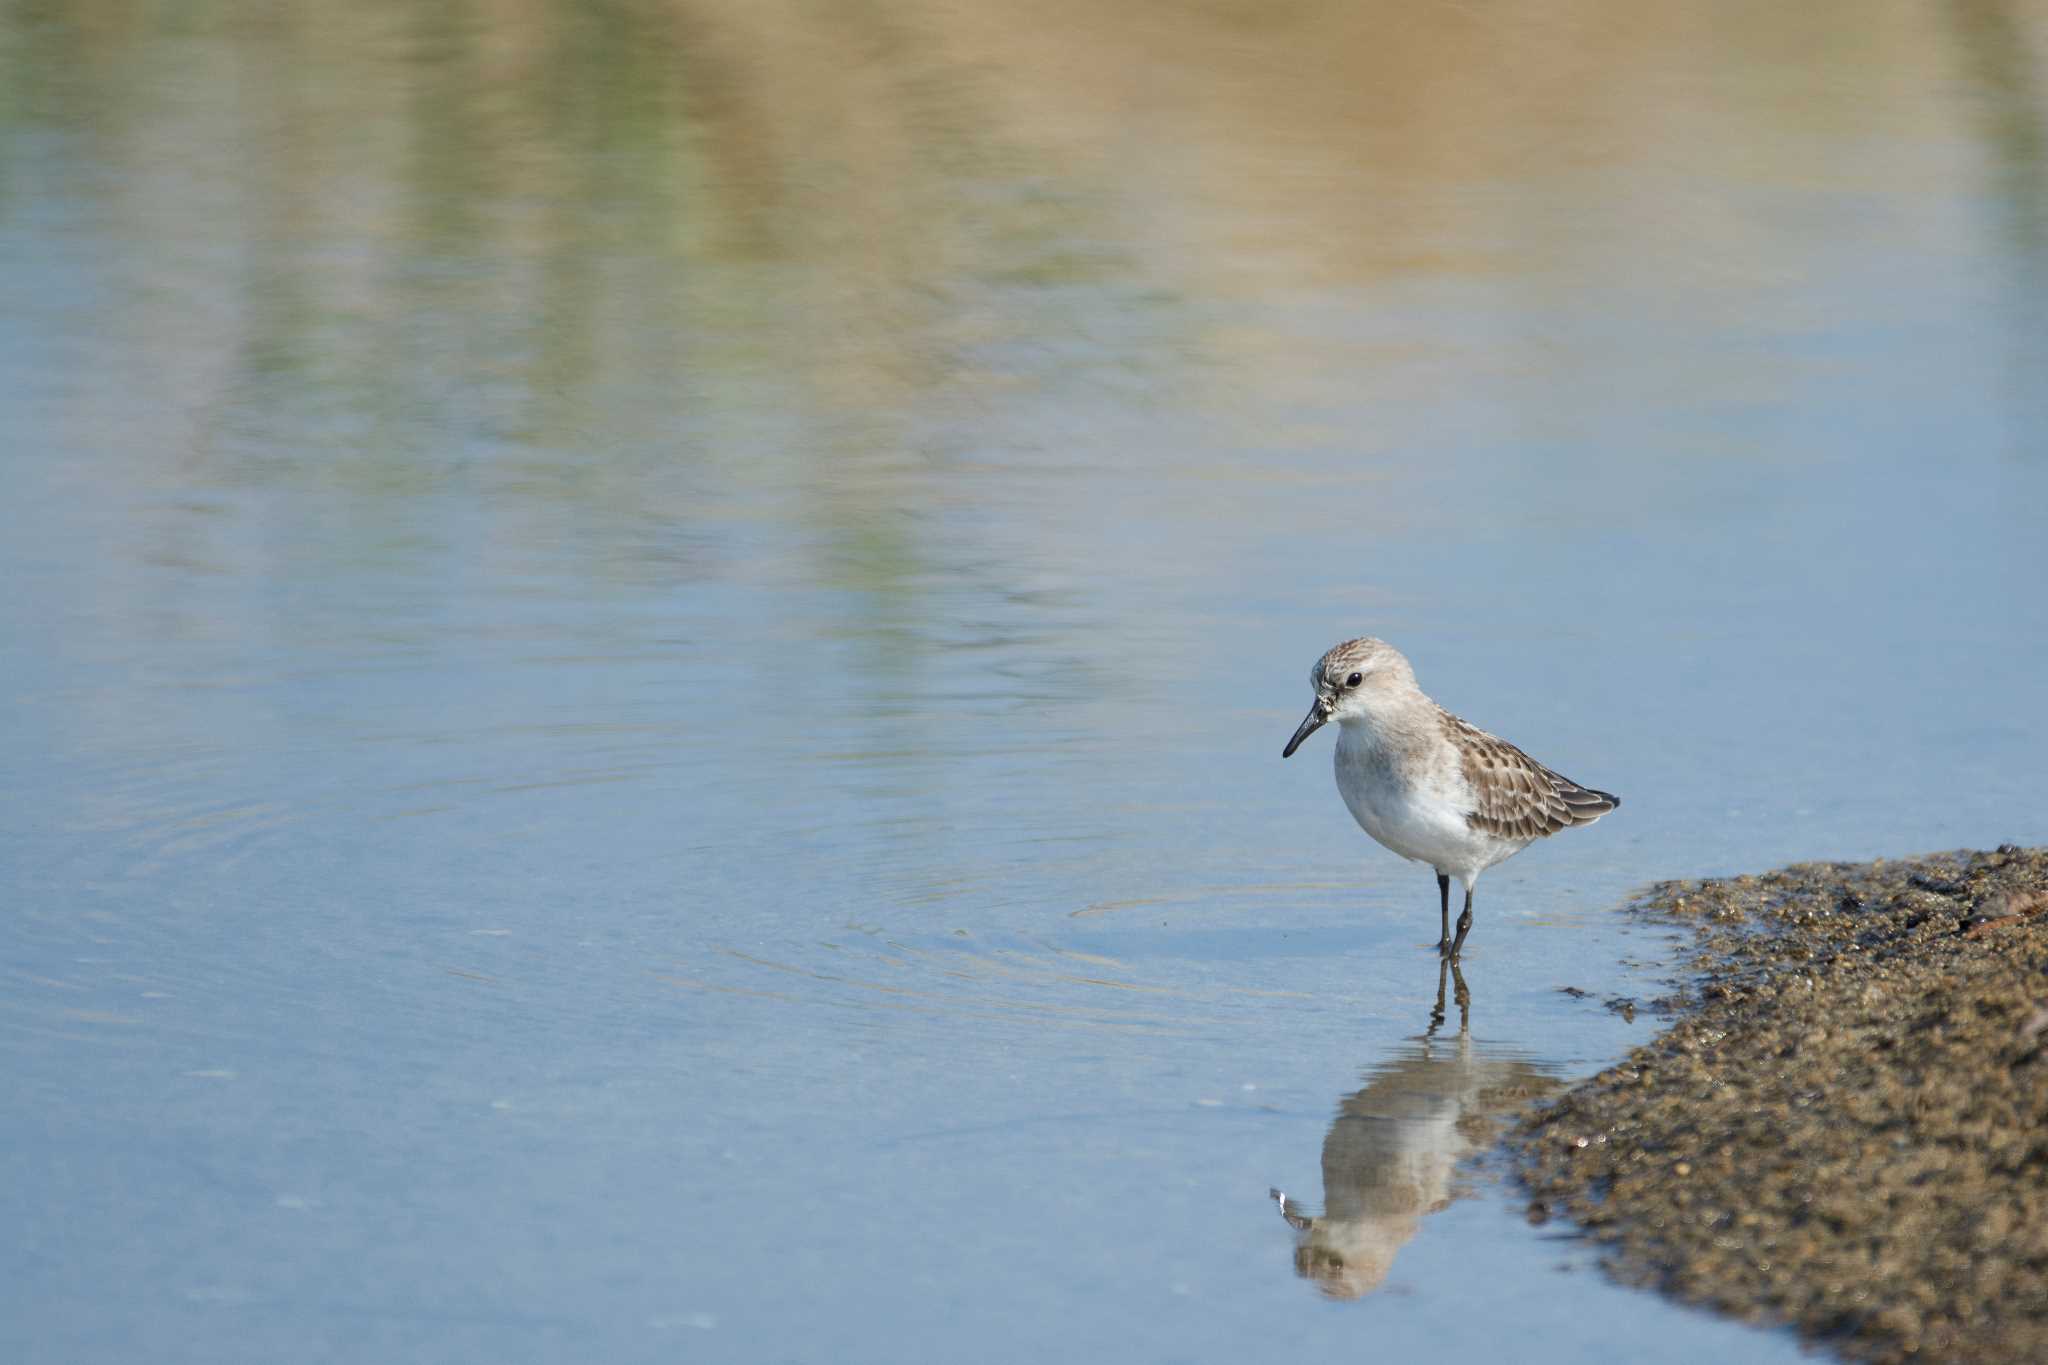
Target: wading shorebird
<point>1427,785</point>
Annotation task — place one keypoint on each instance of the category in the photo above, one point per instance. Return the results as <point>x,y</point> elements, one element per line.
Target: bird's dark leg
<point>1436,1015</point>
<point>1464,925</point>
<point>1443,891</point>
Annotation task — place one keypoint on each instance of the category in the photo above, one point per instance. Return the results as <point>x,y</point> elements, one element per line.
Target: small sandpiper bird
<point>1426,784</point>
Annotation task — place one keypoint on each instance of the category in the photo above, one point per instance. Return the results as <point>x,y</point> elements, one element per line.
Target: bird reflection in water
<point>1393,1150</point>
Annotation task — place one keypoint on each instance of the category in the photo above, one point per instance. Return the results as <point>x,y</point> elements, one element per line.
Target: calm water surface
<point>647,647</point>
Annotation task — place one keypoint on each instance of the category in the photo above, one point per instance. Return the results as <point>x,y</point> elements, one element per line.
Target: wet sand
<point>1845,1127</point>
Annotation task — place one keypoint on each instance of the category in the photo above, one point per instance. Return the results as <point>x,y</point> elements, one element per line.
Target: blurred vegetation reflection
<point>659,260</point>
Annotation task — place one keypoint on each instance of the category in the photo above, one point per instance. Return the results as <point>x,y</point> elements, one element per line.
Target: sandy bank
<point>1846,1125</point>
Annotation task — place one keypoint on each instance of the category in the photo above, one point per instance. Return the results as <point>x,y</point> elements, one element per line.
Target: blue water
<point>647,666</point>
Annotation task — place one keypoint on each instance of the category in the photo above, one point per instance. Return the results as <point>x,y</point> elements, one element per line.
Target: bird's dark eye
<point>1354,680</point>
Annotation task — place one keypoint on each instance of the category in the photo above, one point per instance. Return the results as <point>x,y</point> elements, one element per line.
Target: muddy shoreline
<point>1844,1128</point>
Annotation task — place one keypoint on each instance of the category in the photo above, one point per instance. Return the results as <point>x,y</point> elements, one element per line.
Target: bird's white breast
<point>1414,799</point>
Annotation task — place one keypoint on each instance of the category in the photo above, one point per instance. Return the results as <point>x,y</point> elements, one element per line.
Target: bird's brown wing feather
<point>1515,797</point>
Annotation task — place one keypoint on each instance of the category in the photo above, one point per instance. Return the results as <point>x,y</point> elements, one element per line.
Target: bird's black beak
<point>1317,715</point>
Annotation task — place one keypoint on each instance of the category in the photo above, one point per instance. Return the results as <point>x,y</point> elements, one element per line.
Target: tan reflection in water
<point>873,205</point>
<point>1393,1151</point>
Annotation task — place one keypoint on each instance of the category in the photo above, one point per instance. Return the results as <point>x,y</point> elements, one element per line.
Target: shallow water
<point>648,648</point>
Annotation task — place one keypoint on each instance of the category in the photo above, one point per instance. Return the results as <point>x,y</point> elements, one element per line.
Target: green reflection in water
<point>604,258</point>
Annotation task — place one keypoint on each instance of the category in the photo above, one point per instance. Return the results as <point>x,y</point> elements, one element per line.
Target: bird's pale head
<point>1348,679</point>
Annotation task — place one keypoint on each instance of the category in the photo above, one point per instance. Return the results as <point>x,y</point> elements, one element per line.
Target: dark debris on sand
<point>1845,1128</point>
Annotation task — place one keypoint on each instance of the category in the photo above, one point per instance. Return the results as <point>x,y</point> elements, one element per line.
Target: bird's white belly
<point>1422,818</point>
